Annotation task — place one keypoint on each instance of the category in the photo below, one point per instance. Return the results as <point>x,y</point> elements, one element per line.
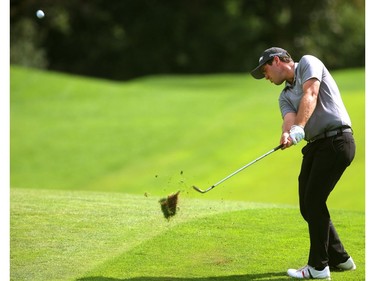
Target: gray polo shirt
<point>330,112</point>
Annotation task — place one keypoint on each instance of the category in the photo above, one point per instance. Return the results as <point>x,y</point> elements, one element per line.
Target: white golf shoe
<point>308,272</point>
<point>348,265</point>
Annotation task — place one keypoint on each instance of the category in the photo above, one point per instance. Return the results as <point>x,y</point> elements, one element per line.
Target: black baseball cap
<point>268,55</point>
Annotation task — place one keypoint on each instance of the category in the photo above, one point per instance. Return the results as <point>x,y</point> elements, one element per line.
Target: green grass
<point>92,236</point>
<point>90,159</point>
<point>138,136</point>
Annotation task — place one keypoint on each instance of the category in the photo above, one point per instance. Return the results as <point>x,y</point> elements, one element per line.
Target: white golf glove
<point>297,134</point>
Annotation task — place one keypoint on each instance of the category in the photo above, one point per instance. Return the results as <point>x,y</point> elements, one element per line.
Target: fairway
<point>93,236</point>
<point>91,158</point>
<point>160,134</point>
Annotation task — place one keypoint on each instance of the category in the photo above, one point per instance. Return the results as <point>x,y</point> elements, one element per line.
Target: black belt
<point>332,133</point>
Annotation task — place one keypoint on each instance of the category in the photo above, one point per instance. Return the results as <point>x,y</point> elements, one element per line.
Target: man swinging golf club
<point>312,109</point>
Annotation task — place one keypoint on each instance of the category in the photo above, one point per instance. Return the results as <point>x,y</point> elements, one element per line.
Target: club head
<point>202,191</point>
<point>198,189</point>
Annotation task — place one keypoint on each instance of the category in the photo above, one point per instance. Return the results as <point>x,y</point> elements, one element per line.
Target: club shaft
<point>244,167</point>
<point>239,170</point>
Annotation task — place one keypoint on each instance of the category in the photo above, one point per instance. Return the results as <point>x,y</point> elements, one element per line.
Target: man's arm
<point>292,135</point>
<point>308,102</point>
<point>289,120</point>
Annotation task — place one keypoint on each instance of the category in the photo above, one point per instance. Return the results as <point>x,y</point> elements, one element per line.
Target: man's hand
<point>296,134</point>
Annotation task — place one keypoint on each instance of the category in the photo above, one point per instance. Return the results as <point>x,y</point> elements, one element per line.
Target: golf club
<point>239,170</point>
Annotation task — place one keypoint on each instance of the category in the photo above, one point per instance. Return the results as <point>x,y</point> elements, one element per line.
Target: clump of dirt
<point>169,205</point>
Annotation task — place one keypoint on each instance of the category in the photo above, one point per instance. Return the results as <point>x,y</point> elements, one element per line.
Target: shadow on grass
<point>264,276</point>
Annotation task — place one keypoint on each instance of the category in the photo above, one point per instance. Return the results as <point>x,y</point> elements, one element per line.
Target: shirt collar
<point>291,85</point>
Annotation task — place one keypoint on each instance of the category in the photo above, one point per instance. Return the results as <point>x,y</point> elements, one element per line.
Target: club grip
<point>278,147</point>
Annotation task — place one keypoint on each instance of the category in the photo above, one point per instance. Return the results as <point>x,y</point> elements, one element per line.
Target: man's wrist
<point>298,125</point>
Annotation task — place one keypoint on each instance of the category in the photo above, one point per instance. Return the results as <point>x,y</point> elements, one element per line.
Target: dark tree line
<point>123,39</point>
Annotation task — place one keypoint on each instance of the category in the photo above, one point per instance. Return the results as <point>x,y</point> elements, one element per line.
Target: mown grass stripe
<point>69,235</point>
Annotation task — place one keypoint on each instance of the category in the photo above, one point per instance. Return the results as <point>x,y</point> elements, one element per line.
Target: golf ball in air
<point>40,14</point>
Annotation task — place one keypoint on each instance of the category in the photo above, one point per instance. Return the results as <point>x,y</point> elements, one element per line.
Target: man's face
<point>272,72</point>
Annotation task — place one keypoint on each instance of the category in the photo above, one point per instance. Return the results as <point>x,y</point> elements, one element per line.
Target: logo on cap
<point>276,54</point>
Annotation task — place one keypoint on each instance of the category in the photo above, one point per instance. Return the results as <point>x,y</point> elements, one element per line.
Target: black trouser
<point>324,161</point>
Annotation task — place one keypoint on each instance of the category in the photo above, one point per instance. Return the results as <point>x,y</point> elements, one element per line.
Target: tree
<point>123,39</point>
